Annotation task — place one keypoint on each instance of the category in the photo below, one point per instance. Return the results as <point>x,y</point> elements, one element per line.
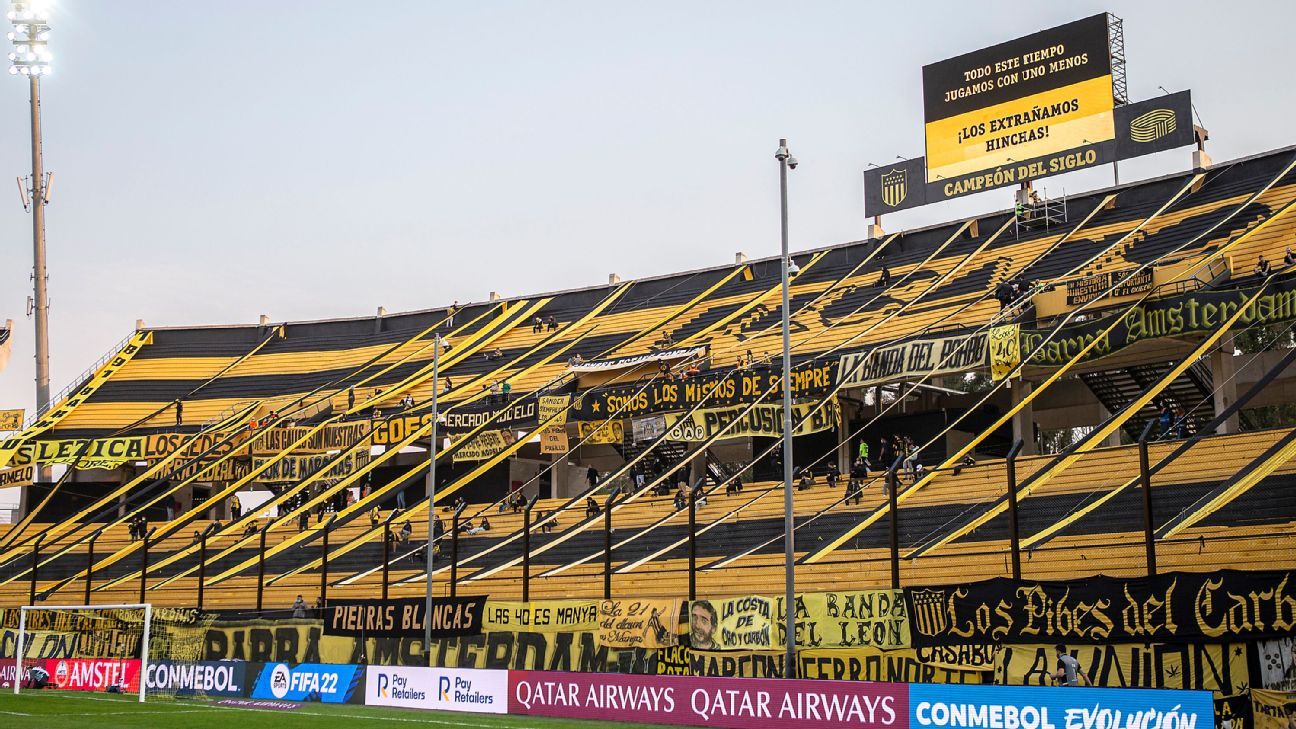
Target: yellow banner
<point>761,420</point>
<point>874,618</point>
<point>553,406</point>
<point>1273,709</point>
<point>554,440</point>
<point>601,433</point>
<point>17,476</point>
<point>547,616</point>
<point>1005,350</point>
<point>335,437</point>
<point>739,664</point>
<point>297,468</point>
<point>12,419</point>
<point>115,452</point>
<point>639,623</point>
<point>486,444</point>
<point>1038,125</point>
<point>740,623</point>
<point>1218,667</point>
<point>906,665</point>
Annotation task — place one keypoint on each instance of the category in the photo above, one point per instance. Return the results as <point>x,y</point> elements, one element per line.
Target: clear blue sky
<point>219,160</point>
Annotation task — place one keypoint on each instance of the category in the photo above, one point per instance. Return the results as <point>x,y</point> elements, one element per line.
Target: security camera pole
<point>31,59</point>
<point>789,608</point>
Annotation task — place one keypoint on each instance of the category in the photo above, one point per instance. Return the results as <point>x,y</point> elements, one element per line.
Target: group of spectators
<point>1011,290</point>
<point>137,526</point>
<point>539,325</point>
<point>1173,422</point>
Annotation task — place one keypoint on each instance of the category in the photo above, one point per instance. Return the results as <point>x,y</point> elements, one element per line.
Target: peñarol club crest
<point>929,615</point>
<point>895,186</point>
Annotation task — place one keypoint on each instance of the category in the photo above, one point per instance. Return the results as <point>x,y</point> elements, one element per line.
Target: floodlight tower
<point>31,58</point>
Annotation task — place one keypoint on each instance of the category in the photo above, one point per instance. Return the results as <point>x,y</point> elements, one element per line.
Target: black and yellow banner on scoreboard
<point>1027,98</point>
<point>764,420</point>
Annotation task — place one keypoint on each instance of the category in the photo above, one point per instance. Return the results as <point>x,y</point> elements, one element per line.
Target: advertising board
<point>325,682</point>
<point>712,702</point>
<point>214,678</point>
<point>443,689</point>
<point>93,674</point>
<point>954,706</point>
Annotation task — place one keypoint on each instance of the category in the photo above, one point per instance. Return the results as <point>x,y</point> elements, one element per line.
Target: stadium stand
<point>343,407</point>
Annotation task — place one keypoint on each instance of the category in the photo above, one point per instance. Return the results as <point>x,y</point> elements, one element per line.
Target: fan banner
<point>547,616</point>
<point>874,618</point>
<point>639,623</point>
<point>1172,607</point>
<point>51,417</point>
<point>914,359</point>
<point>741,421</point>
<point>485,445</point>
<point>1273,709</point>
<point>19,476</point>
<point>12,419</point>
<point>298,468</point>
<point>715,389</point>
<point>740,623</point>
<point>403,617</point>
<point>737,664</point>
<point>1217,667</point>
<point>972,665</point>
<point>620,363</point>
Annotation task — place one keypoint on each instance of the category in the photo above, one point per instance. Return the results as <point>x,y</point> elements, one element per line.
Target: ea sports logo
<point>280,678</point>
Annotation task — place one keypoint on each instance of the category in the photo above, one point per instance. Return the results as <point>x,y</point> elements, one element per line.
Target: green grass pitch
<point>64,710</point>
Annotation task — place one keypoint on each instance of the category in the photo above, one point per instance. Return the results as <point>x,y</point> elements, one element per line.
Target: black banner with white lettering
<point>403,617</point>
<point>1226,605</point>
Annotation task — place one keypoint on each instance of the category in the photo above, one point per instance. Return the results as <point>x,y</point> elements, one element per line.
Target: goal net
<point>135,649</point>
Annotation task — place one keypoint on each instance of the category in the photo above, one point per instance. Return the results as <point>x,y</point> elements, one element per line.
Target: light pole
<point>31,58</point>
<point>431,493</point>
<point>786,160</point>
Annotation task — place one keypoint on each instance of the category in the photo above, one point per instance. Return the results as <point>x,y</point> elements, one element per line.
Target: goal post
<point>82,667</point>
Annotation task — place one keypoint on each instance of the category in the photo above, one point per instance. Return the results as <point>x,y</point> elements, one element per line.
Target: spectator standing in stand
<point>505,389</point>
<point>834,473</point>
<point>1289,258</point>
<point>592,477</point>
<point>179,412</point>
<point>299,608</point>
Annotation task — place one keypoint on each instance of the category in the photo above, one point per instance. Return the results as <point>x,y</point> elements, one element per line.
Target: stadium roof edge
<point>706,269</point>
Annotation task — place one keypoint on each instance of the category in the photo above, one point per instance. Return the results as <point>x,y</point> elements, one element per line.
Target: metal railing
<point>78,382</point>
